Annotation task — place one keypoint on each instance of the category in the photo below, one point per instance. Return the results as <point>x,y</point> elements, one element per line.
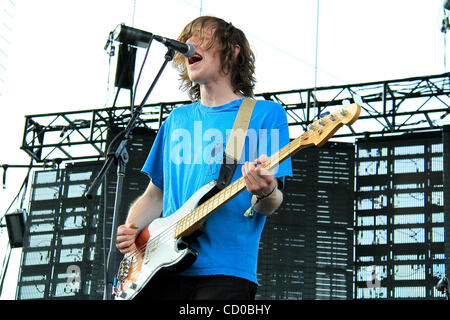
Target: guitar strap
<point>235,144</point>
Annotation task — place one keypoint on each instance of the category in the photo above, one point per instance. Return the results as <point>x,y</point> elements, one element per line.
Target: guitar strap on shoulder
<point>235,144</point>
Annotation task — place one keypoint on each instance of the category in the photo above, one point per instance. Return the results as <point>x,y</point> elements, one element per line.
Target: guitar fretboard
<point>189,223</point>
<point>319,132</point>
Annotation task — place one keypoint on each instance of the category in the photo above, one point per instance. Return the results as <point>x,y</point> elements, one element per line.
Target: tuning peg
<point>324,114</point>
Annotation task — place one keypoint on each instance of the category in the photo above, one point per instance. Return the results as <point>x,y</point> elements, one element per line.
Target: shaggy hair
<point>226,36</point>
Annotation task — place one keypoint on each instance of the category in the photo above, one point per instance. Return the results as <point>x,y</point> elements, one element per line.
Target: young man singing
<point>187,154</point>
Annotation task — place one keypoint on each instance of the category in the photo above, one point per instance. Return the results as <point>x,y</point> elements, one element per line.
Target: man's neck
<point>214,95</point>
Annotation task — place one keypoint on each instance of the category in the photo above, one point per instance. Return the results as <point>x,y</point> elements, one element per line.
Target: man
<point>187,153</point>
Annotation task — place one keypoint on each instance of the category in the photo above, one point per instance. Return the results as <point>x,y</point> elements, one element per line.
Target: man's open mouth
<point>195,58</point>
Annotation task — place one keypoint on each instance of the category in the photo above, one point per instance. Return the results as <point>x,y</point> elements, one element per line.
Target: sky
<point>56,59</point>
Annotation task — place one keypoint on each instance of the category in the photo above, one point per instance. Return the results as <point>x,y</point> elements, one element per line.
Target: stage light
<point>15,223</point>
<point>132,36</point>
<point>130,39</point>
<point>125,66</point>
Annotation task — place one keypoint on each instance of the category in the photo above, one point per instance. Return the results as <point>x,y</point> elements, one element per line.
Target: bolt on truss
<point>388,107</point>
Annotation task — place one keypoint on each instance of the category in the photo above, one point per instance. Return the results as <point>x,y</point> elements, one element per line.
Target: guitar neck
<point>190,222</point>
<point>318,133</point>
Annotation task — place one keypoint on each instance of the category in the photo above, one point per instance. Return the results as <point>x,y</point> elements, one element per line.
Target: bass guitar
<point>162,246</point>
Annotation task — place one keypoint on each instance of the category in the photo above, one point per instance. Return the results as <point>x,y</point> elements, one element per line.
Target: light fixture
<point>15,223</point>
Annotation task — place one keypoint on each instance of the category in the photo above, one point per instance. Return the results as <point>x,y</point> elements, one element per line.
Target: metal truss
<point>388,107</point>
<point>81,135</point>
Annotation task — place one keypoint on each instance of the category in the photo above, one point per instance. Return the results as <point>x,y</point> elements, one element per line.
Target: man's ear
<point>237,49</point>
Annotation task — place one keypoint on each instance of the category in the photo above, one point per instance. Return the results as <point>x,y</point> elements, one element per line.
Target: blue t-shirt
<point>187,154</point>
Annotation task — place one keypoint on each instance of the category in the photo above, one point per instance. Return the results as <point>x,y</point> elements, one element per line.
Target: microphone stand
<point>120,157</point>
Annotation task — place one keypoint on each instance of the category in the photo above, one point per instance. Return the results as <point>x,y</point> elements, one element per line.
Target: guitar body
<point>159,250</point>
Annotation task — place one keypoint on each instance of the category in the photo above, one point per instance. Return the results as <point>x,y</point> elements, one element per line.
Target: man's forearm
<point>146,208</point>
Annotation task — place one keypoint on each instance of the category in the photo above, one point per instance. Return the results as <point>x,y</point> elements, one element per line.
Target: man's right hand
<point>126,236</point>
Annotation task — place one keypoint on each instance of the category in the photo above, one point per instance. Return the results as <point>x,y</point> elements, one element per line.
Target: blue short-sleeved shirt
<point>187,154</point>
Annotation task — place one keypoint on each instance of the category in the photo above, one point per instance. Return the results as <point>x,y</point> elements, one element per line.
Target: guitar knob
<point>122,295</point>
<point>133,285</point>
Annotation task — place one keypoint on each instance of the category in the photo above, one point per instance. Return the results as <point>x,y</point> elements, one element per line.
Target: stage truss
<point>388,107</point>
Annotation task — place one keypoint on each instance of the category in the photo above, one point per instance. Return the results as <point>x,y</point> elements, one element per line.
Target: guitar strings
<point>163,236</point>
<point>198,211</point>
<point>168,232</point>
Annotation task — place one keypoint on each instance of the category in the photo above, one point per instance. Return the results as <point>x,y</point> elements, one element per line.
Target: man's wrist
<point>259,198</point>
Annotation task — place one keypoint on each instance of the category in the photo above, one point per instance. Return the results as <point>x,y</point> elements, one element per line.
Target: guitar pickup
<point>150,248</point>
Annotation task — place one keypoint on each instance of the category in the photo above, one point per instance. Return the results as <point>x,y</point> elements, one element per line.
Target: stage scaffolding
<point>388,107</point>
<point>319,264</point>
<point>66,234</point>
<point>401,220</point>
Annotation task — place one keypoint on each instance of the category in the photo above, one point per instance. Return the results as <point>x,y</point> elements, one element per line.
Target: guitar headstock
<point>321,130</point>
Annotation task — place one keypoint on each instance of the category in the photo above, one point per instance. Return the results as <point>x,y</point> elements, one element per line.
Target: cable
<point>134,12</point>
<point>110,53</point>
<point>5,267</point>
<point>115,98</point>
<point>105,253</point>
<point>445,52</point>
<point>140,72</point>
<point>27,177</point>
<point>444,28</point>
<point>24,185</point>
<point>316,56</point>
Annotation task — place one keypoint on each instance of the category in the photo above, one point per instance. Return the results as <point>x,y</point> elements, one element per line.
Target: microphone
<point>140,38</point>
<point>186,49</point>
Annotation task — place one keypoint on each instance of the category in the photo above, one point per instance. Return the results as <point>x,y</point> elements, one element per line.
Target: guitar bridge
<point>124,269</point>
